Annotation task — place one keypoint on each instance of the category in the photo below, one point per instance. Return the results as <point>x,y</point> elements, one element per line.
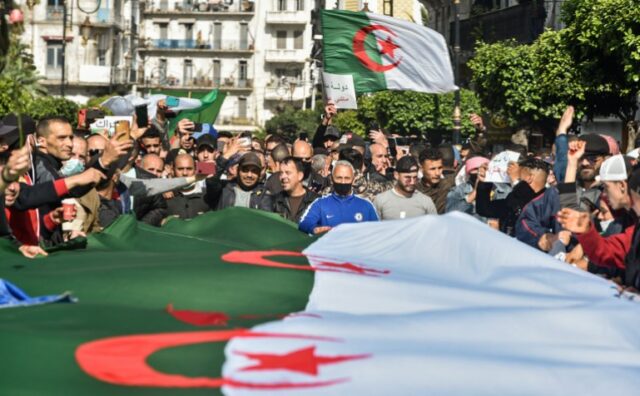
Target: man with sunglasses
<point>246,189</point>
<point>403,201</point>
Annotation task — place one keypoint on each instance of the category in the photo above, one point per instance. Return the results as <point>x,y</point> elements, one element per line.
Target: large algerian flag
<point>382,53</point>
<point>437,305</point>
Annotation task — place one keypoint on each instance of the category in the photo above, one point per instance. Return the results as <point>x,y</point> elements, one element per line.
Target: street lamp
<point>456,54</point>
<point>85,30</point>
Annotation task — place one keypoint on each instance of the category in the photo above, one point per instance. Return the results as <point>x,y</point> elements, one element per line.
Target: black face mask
<point>473,178</point>
<point>342,188</point>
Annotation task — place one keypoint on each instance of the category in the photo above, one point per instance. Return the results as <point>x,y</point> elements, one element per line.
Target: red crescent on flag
<point>360,52</point>
<point>123,360</point>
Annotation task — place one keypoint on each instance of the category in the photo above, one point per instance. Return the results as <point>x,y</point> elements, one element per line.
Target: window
<point>217,35</point>
<point>54,54</point>
<point>103,47</point>
<point>242,107</point>
<point>299,5</point>
<point>281,42</point>
<point>216,72</point>
<point>55,9</point>
<point>187,73</point>
<point>188,31</point>
<point>298,39</point>
<point>244,36</point>
<point>242,70</point>
<point>387,7</point>
<point>162,71</point>
<point>282,5</point>
<point>164,31</point>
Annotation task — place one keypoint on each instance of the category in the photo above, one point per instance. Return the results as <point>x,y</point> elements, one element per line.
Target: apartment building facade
<point>254,51</point>
<point>97,46</point>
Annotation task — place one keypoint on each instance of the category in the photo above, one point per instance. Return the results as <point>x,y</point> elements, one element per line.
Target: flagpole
<point>456,60</point>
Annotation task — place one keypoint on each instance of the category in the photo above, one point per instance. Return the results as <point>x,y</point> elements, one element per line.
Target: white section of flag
<point>463,310</point>
<point>425,65</point>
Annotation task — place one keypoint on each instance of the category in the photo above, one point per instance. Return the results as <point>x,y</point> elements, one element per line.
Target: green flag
<point>135,280</point>
<point>207,113</point>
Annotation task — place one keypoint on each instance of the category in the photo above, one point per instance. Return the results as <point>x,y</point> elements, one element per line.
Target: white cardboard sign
<point>340,89</point>
<point>497,170</point>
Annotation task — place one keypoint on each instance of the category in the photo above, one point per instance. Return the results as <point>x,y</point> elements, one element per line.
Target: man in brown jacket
<point>433,183</point>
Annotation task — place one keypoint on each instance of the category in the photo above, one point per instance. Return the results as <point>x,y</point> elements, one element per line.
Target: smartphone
<point>172,101</point>
<point>392,147</point>
<point>205,168</point>
<point>220,146</point>
<point>374,126</point>
<point>123,130</point>
<point>197,127</point>
<point>142,117</point>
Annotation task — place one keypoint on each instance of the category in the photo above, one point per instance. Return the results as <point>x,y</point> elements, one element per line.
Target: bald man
<point>152,163</point>
<point>187,202</point>
<point>379,163</point>
<point>303,151</point>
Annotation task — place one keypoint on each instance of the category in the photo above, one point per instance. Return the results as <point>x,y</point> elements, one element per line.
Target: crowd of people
<point>578,201</point>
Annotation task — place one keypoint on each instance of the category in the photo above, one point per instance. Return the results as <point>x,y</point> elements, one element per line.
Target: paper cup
<point>68,209</point>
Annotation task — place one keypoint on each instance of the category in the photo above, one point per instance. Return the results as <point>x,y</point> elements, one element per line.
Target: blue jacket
<point>538,217</point>
<point>333,210</point>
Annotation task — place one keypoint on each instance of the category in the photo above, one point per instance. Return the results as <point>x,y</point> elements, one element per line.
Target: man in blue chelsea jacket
<point>339,207</point>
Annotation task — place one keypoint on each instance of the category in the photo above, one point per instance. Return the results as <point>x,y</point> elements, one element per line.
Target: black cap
<point>28,124</point>
<point>332,133</point>
<point>250,159</point>
<point>9,133</point>
<point>596,144</point>
<point>356,140</point>
<point>407,164</point>
<point>207,140</point>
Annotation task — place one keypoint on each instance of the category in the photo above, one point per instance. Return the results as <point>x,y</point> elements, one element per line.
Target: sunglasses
<point>94,152</point>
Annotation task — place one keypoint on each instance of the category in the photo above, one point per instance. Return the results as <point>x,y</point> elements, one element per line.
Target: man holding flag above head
<point>383,53</point>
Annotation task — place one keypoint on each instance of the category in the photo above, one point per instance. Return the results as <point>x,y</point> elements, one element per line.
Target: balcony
<point>286,56</point>
<point>230,84</point>
<point>89,76</point>
<point>282,92</point>
<point>217,8</point>
<point>237,120</point>
<point>287,17</point>
<point>194,47</point>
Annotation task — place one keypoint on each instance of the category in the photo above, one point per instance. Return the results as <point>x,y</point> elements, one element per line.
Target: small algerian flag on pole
<point>385,53</point>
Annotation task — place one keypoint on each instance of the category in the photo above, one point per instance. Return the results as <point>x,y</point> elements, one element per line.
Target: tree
<point>527,84</point>
<point>48,106</point>
<point>408,113</point>
<point>291,122</point>
<point>603,38</point>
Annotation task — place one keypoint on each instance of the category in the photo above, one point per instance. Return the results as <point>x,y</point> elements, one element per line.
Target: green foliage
<point>603,38</point>
<point>408,112</point>
<point>48,106</point>
<point>290,122</point>
<point>594,64</point>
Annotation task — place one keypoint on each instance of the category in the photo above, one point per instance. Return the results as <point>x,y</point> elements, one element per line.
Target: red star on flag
<point>388,47</point>
<point>302,360</point>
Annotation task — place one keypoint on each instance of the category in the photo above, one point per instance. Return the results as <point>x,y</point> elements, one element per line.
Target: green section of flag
<point>124,281</point>
<point>207,113</point>
<point>338,31</point>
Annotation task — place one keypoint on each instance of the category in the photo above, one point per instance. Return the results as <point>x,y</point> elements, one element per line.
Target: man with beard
<point>341,206</point>
<point>433,182</point>
<point>187,202</point>
<point>403,201</point>
<point>245,190</point>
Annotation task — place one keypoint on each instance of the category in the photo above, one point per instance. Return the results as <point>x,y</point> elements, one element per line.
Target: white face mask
<point>72,167</point>
<point>605,224</point>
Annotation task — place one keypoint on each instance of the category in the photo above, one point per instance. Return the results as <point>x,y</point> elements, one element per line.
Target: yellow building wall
<point>402,9</point>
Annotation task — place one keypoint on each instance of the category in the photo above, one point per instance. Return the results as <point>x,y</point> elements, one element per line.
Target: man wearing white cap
<point>607,252</point>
